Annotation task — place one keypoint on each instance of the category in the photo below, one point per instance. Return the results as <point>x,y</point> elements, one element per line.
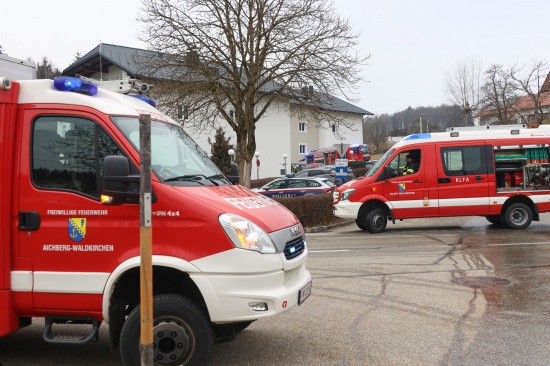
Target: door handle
<point>417,181</point>
<point>443,180</point>
<point>479,178</point>
<point>29,220</point>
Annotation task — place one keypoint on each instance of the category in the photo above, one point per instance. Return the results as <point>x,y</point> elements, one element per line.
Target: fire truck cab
<point>223,256</point>
<point>501,174</point>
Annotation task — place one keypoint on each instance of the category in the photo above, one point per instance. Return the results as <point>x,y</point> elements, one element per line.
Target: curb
<point>318,229</point>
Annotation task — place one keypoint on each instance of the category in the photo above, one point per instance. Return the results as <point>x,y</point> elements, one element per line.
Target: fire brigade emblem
<point>401,187</point>
<point>77,228</point>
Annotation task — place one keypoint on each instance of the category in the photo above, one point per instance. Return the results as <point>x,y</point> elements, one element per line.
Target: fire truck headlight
<point>346,194</point>
<point>246,235</point>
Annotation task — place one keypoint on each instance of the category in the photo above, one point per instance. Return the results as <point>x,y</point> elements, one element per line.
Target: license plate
<point>304,293</point>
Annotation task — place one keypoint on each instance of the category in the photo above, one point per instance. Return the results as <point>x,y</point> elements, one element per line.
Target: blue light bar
<point>72,84</point>
<point>418,136</point>
<point>144,98</point>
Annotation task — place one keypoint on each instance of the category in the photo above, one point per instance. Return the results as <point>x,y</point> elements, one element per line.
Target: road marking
<point>541,243</point>
<point>328,251</point>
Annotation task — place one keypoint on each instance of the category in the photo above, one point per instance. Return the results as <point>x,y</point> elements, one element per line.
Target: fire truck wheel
<point>182,334</point>
<point>518,216</point>
<point>360,224</point>
<point>495,220</point>
<point>376,221</point>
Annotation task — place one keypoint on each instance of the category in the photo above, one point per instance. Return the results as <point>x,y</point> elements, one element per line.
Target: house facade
<point>281,131</point>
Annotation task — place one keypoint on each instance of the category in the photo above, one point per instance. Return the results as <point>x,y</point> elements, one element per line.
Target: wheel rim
<point>378,221</point>
<point>173,342</point>
<point>518,216</point>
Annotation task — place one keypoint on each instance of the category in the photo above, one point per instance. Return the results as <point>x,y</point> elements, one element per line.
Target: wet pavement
<point>452,291</point>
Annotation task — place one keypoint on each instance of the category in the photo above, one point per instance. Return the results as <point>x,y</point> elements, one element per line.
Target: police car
<point>295,187</point>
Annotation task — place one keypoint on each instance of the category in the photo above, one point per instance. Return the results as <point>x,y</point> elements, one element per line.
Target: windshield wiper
<point>192,178</point>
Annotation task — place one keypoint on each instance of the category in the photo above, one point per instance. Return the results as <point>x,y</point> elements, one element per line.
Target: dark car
<point>369,164</point>
<point>326,171</point>
<point>294,187</point>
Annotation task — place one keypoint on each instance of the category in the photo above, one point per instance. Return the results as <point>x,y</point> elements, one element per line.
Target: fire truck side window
<point>67,153</point>
<point>468,160</point>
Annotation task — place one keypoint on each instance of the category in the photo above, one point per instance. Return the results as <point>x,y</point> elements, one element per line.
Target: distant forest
<point>377,129</point>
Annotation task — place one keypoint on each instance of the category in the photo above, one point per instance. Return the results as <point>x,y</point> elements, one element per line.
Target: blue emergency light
<point>418,136</point>
<point>69,83</point>
<point>144,98</point>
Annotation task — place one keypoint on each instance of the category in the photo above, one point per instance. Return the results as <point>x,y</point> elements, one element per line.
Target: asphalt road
<point>426,292</point>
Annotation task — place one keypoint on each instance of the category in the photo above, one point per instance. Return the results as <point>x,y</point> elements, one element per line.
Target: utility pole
<point>146,242</point>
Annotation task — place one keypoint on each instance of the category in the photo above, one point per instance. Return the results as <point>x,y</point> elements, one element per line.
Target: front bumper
<point>346,209</point>
<point>228,296</point>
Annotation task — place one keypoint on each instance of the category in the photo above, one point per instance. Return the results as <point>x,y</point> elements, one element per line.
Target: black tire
<point>182,334</point>
<point>495,220</point>
<point>360,224</point>
<point>518,216</point>
<point>239,327</point>
<point>376,221</point>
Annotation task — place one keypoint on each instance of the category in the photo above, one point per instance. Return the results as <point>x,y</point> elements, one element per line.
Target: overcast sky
<point>413,44</point>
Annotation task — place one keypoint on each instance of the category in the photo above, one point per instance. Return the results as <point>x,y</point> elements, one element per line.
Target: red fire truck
<point>502,174</point>
<point>223,256</point>
<point>328,155</point>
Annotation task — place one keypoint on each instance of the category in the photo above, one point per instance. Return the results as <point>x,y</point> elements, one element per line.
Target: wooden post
<point>146,245</point>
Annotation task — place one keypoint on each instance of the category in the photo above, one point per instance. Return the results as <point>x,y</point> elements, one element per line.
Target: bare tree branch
<point>463,88</point>
<point>247,55</point>
<point>529,79</point>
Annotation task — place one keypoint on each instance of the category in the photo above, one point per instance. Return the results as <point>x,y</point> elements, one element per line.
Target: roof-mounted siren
<point>144,88</point>
<point>5,83</point>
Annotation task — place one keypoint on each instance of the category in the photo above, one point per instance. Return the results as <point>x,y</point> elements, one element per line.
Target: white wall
<point>272,141</point>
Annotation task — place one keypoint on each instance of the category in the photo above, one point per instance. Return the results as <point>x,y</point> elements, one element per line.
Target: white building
<point>280,132</point>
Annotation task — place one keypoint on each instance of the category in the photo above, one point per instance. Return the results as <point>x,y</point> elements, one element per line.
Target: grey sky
<point>413,44</point>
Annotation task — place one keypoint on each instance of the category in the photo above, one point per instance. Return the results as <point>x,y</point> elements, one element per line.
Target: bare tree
<point>499,94</point>
<point>529,80</point>
<point>376,131</point>
<point>234,59</point>
<point>463,86</point>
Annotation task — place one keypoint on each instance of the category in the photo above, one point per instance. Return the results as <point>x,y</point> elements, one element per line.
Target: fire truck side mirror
<point>387,172</point>
<point>116,181</point>
<point>234,174</point>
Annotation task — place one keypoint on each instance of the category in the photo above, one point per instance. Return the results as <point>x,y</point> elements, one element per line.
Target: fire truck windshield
<point>175,157</point>
<point>380,163</point>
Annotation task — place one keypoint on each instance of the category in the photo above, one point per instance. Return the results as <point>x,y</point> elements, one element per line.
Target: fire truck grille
<point>294,248</point>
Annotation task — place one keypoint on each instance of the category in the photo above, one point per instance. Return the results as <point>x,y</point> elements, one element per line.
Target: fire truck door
<point>463,177</point>
<point>405,190</point>
<point>72,240</point>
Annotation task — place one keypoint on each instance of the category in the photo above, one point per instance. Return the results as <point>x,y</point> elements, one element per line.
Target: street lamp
<point>284,157</point>
<point>231,153</point>
<point>257,155</point>
<point>421,122</point>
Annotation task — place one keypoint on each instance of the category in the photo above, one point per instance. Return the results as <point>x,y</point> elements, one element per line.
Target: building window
<point>302,127</point>
<point>303,148</point>
<point>233,115</point>
<point>334,128</point>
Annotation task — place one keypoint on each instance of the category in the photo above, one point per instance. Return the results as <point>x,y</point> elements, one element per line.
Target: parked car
<point>294,187</point>
<point>369,164</point>
<point>326,171</point>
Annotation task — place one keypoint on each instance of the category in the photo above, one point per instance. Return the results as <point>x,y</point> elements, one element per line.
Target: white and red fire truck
<point>223,256</point>
<point>502,174</point>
